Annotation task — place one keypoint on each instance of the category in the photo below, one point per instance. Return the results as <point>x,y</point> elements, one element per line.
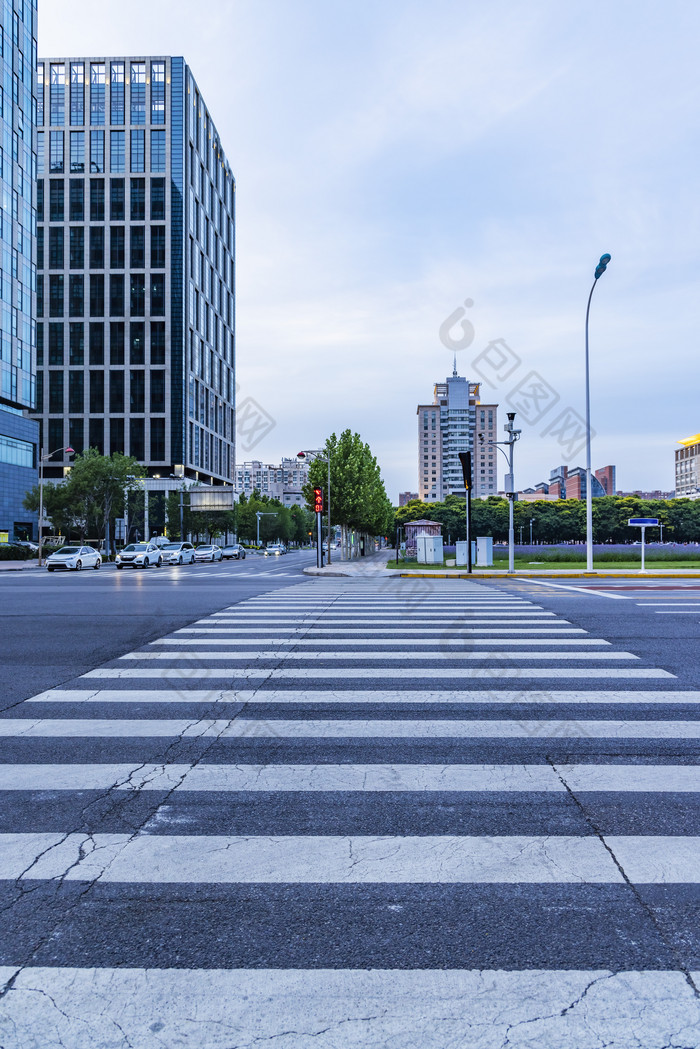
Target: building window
<point>158,93</point>
<point>76,433</point>
<point>158,294</point>
<point>96,430</point>
<point>137,388</point>
<point>97,152</point>
<point>77,152</point>
<point>97,93</point>
<point>97,392</point>
<point>138,200</point>
<point>76,394</point>
<point>158,391</point>
<point>56,240</point>
<point>117,157</point>
<point>116,247</point>
<point>97,295</point>
<point>116,205</point>
<point>157,199</point>
<point>138,150</point>
<point>157,342</point>
<point>116,392</point>
<point>40,147</point>
<point>158,440</point>
<point>138,247</point>
<point>76,295</point>
<point>56,393</point>
<point>76,352</point>
<point>97,344</point>
<point>16,453</point>
<point>77,247</point>
<point>137,343</point>
<point>56,152</point>
<point>116,295</point>
<point>39,93</point>
<point>138,93</point>
<point>116,436</point>
<point>136,438</point>
<point>56,295</point>
<point>116,101</point>
<point>97,248</point>
<point>56,200</point>
<point>76,200</point>
<point>57,94</point>
<point>77,94</point>
<point>97,200</point>
<point>55,344</point>
<point>116,342</point>
<point>158,150</point>
<point>158,247</point>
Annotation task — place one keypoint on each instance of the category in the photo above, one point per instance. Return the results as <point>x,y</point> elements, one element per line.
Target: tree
<point>92,494</point>
<point>358,497</point>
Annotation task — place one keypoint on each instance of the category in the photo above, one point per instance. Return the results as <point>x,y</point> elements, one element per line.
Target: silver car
<point>210,552</point>
<point>73,558</point>
<point>139,555</point>
<point>177,553</point>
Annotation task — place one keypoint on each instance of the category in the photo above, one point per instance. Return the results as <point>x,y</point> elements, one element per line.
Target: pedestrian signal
<point>318,500</point>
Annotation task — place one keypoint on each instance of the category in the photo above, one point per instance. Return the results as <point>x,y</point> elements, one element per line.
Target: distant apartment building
<point>281,481</point>
<point>566,483</point>
<point>448,426</point>
<point>688,468</point>
<point>19,436</point>
<point>135,268</point>
<point>407,497</point>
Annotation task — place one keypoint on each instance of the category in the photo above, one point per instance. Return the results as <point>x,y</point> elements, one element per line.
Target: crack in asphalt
<point>645,907</point>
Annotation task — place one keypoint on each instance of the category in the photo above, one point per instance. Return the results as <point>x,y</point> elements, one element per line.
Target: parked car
<point>139,555</point>
<point>275,549</point>
<point>177,553</point>
<point>234,550</point>
<point>74,557</point>
<point>34,547</point>
<point>210,552</point>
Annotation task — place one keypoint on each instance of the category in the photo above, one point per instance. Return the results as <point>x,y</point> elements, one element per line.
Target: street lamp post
<point>599,271</point>
<point>318,454</point>
<point>42,459</point>
<point>531,523</point>
<point>513,436</point>
<point>258,515</point>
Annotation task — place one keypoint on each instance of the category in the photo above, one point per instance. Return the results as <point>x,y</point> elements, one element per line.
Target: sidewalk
<point>373,565</point>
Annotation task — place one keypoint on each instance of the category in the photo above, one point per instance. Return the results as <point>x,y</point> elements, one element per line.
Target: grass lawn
<point>527,565</point>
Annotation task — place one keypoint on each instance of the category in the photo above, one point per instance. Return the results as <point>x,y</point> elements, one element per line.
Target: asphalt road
<point>351,812</point>
<point>61,624</point>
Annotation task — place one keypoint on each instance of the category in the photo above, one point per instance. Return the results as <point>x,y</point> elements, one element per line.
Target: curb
<point>325,572</point>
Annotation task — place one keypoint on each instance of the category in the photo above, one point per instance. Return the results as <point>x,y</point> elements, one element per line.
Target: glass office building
<point>135,260</point>
<point>18,435</point>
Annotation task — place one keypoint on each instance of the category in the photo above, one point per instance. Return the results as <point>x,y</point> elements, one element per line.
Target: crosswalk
<point>348,814</point>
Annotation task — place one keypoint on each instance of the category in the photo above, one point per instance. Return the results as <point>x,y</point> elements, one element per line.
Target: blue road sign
<point>639,521</point>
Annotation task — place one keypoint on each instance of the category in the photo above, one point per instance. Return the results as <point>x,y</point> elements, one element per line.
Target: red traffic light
<point>318,500</point>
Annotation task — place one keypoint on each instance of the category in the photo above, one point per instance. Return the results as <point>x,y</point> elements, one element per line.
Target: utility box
<point>484,551</point>
<point>461,553</point>
<point>429,549</point>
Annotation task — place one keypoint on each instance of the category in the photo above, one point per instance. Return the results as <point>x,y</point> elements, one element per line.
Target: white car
<point>210,552</point>
<point>274,550</point>
<point>74,558</point>
<point>139,555</point>
<point>177,553</point>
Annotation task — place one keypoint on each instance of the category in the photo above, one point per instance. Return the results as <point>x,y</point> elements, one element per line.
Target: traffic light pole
<point>319,540</point>
<point>465,459</point>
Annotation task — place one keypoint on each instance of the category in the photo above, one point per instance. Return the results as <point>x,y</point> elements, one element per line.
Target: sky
<point>396,160</point>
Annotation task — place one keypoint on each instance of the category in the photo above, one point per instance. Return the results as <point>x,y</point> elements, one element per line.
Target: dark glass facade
<point>137,265</point>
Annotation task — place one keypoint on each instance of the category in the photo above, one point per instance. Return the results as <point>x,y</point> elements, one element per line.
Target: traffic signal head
<point>318,500</point>
<point>465,459</point>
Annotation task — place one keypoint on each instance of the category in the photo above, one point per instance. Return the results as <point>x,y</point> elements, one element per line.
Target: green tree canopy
<point>358,496</point>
